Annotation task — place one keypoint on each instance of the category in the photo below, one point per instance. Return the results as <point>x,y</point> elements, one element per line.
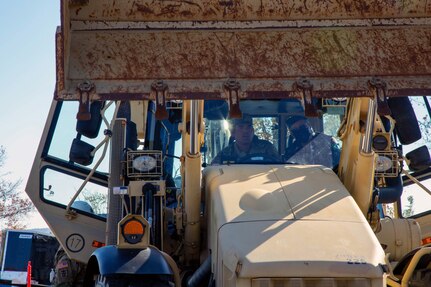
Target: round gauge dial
<point>144,163</point>
<point>383,163</point>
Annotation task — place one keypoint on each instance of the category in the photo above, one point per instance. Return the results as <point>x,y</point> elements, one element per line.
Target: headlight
<point>380,142</point>
<point>133,230</point>
<point>383,163</point>
<point>144,163</point>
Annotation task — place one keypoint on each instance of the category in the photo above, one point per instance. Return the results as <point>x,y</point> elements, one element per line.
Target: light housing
<point>380,142</point>
<point>133,231</point>
<point>144,164</point>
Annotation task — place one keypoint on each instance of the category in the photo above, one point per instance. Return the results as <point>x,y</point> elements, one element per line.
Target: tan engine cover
<point>286,221</point>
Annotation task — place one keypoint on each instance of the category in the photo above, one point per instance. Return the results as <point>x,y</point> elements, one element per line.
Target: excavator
<point>147,93</point>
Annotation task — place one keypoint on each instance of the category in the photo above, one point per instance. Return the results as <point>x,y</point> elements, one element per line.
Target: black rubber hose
<point>149,190</point>
<point>201,276</point>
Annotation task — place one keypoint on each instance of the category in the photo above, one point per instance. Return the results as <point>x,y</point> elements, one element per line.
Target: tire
<point>132,280</point>
<point>406,126</point>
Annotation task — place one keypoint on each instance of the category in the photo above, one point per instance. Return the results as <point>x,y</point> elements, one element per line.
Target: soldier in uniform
<point>305,146</point>
<point>245,143</point>
<point>68,272</point>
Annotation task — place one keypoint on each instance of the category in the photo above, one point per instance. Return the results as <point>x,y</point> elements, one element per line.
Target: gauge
<point>383,163</point>
<point>144,163</point>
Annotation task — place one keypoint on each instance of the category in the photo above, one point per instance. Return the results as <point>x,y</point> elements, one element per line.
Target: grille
<point>144,164</point>
<point>393,170</point>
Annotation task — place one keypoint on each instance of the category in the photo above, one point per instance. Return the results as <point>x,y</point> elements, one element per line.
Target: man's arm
<point>269,149</point>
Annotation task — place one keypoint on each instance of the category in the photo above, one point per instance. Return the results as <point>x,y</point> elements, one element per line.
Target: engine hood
<point>287,221</point>
<point>261,192</point>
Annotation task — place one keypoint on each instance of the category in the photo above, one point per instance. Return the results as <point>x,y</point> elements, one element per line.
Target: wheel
<point>406,126</point>
<point>132,280</point>
<point>103,281</point>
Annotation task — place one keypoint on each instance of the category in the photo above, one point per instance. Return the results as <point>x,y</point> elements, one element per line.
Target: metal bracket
<point>84,90</point>
<point>379,88</point>
<point>306,88</point>
<point>159,90</point>
<point>231,89</point>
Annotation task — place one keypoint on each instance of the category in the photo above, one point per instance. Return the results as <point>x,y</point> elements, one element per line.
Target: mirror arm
<point>416,181</point>
<point>70,214</point>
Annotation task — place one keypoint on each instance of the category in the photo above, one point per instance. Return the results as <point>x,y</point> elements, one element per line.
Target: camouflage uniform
<point>259,147</point>
<point>68,273</point>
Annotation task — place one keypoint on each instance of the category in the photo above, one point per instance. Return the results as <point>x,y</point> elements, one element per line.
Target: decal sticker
<point>75,242</point>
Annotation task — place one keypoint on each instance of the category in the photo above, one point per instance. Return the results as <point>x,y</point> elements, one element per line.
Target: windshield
<point>274,131</point>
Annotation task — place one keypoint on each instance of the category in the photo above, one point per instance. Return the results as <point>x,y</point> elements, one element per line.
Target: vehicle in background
<point>19,247</point>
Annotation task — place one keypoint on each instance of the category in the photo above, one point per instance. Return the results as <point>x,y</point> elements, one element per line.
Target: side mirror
<point>406,125</point>
<point>419,159</point>
<point>91,127</point>
<point>80,152</point>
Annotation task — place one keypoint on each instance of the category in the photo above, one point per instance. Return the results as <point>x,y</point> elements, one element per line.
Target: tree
<point>408,211</point>
<point>98,201</point>
<point>12,206</point>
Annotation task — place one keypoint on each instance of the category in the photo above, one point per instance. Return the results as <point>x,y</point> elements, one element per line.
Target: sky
<point>27,79</point>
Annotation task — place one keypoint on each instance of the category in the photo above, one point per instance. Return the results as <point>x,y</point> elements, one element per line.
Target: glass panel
<point>268,138</point>
<point>331,123</point>
<point>424,122</point>
<point>65,132</point>
<point>60,188</point>
<point>266,128</point>
<point>415,200</point>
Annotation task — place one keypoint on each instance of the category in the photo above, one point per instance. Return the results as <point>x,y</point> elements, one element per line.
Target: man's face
<point>243,133</point>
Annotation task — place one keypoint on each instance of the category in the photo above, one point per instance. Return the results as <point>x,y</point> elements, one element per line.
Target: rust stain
<point>343,56</point>
<point>195,10</point>
<point>59,46</point>
<point>251,54</point>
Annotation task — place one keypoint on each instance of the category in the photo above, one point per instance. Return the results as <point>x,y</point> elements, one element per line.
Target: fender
<point>111,260</point>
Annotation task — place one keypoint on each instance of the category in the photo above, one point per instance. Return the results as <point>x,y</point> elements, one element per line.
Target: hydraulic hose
<point>201,275</point>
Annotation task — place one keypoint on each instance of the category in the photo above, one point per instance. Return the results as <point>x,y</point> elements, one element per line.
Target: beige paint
<point>356,169</point>
<point>55,217</point>
<point>281,221</point>
<point>399,236</point>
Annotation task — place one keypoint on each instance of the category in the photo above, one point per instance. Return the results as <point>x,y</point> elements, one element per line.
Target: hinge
<point>232,90</point>
<point>84,90</point>
<point>159,91</point>
<point>305,87</point>
<point>379,88</point>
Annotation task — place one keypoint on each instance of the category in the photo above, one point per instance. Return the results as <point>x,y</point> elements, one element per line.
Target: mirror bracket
<point>305,87</point>
<point>232,91</point>
<point>84,89</point>
<point>378,88</point>
<point>159,91</point>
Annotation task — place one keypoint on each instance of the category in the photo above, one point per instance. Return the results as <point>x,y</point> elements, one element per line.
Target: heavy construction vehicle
<point>144,94</point>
